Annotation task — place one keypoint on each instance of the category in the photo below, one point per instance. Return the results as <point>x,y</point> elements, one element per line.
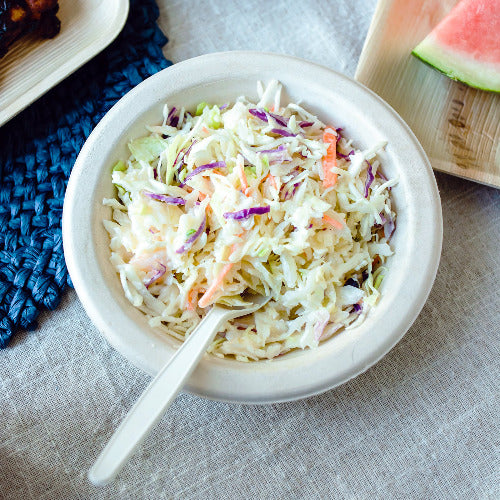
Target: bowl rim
<point>270,377</point>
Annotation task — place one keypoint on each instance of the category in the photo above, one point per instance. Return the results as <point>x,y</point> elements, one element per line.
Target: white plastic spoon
<point>162,391</point>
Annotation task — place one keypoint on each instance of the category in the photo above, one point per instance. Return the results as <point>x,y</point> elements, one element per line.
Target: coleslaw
<point>259,197</point>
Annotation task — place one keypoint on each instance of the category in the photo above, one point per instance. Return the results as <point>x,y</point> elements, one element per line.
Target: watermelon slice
<point>465,45</point>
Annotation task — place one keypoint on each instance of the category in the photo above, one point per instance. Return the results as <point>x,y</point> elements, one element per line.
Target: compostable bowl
<point>337,100</point>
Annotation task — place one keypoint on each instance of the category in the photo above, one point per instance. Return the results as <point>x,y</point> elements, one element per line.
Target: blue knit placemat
<point>37,151</point>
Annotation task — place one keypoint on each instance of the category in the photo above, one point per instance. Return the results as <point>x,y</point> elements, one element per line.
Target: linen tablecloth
<point>423,423</point>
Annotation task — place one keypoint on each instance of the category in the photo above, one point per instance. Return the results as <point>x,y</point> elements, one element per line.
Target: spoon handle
<point>155,400</point>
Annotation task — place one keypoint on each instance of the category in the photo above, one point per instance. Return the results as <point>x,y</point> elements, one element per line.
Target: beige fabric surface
<point>422,424</point>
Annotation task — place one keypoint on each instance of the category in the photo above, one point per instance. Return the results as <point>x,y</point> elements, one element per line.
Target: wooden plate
<point>32,66</point>
<point>458,126</point>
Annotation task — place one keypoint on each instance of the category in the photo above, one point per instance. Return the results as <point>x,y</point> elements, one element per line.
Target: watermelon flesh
<point>465,45</point>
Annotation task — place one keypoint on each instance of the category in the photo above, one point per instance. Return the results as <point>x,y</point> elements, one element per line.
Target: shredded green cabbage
<point>259,215</point>
<point>147,148</point>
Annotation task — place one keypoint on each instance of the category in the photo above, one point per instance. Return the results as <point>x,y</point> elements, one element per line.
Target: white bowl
<point>337,100</point>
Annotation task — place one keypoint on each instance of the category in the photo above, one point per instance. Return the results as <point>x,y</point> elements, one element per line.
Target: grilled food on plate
<point>19,17</point>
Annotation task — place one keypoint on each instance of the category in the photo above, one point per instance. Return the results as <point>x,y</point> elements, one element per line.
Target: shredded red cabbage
<point>196,171</point>
<point>262,115</point>
<point>247,212</point>
<point>290,193</point>
<point>259,113</point>
<point>295,187</point>
<point>182,163</point>
<point>172,119</point>
<point>279,149</point>
<point>279,154</point>
<point>357,308</point>
<point>382,176</point>
<point>282,159</point>
<point>164,198</point>
<point>170,114</point>
<point>157,275</point>
<point>284,133</point>
<point>369,178</point>
<point>189,242</point>
<point>389,228</point>
<point>346,157</point>
<point>280,119</point>
<point>179,163</point>
<point>189,148</point>
<point>177,158</point>
<point>352,282</point>
<point>305,124</point>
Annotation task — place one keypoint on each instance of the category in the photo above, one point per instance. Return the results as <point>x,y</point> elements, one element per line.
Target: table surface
<point>422,423</point>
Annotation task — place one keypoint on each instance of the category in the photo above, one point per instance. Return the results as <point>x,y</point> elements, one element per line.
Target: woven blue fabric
<point>37,151</point>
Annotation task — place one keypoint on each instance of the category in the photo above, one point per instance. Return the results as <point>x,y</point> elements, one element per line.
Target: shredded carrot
<point>241,174</point>
<point>205,299</point>
<point>329,160</point>
<point>272,179</point>
<point>335,223</point>
<point>205,130</point>
<point>207,296</point>
<point>190,299</point>
<point>201,197</point>
<point>271,108</point>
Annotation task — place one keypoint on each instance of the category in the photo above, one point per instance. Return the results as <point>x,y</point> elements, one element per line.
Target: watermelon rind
<point>458,65</point>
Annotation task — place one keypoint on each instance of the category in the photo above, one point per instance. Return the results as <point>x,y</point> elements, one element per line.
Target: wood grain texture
<point>34,65</point>
<point>458,126</point>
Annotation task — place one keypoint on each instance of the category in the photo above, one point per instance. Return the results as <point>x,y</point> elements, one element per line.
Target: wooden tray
<point>458,126</point>
<point>33,66</point>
